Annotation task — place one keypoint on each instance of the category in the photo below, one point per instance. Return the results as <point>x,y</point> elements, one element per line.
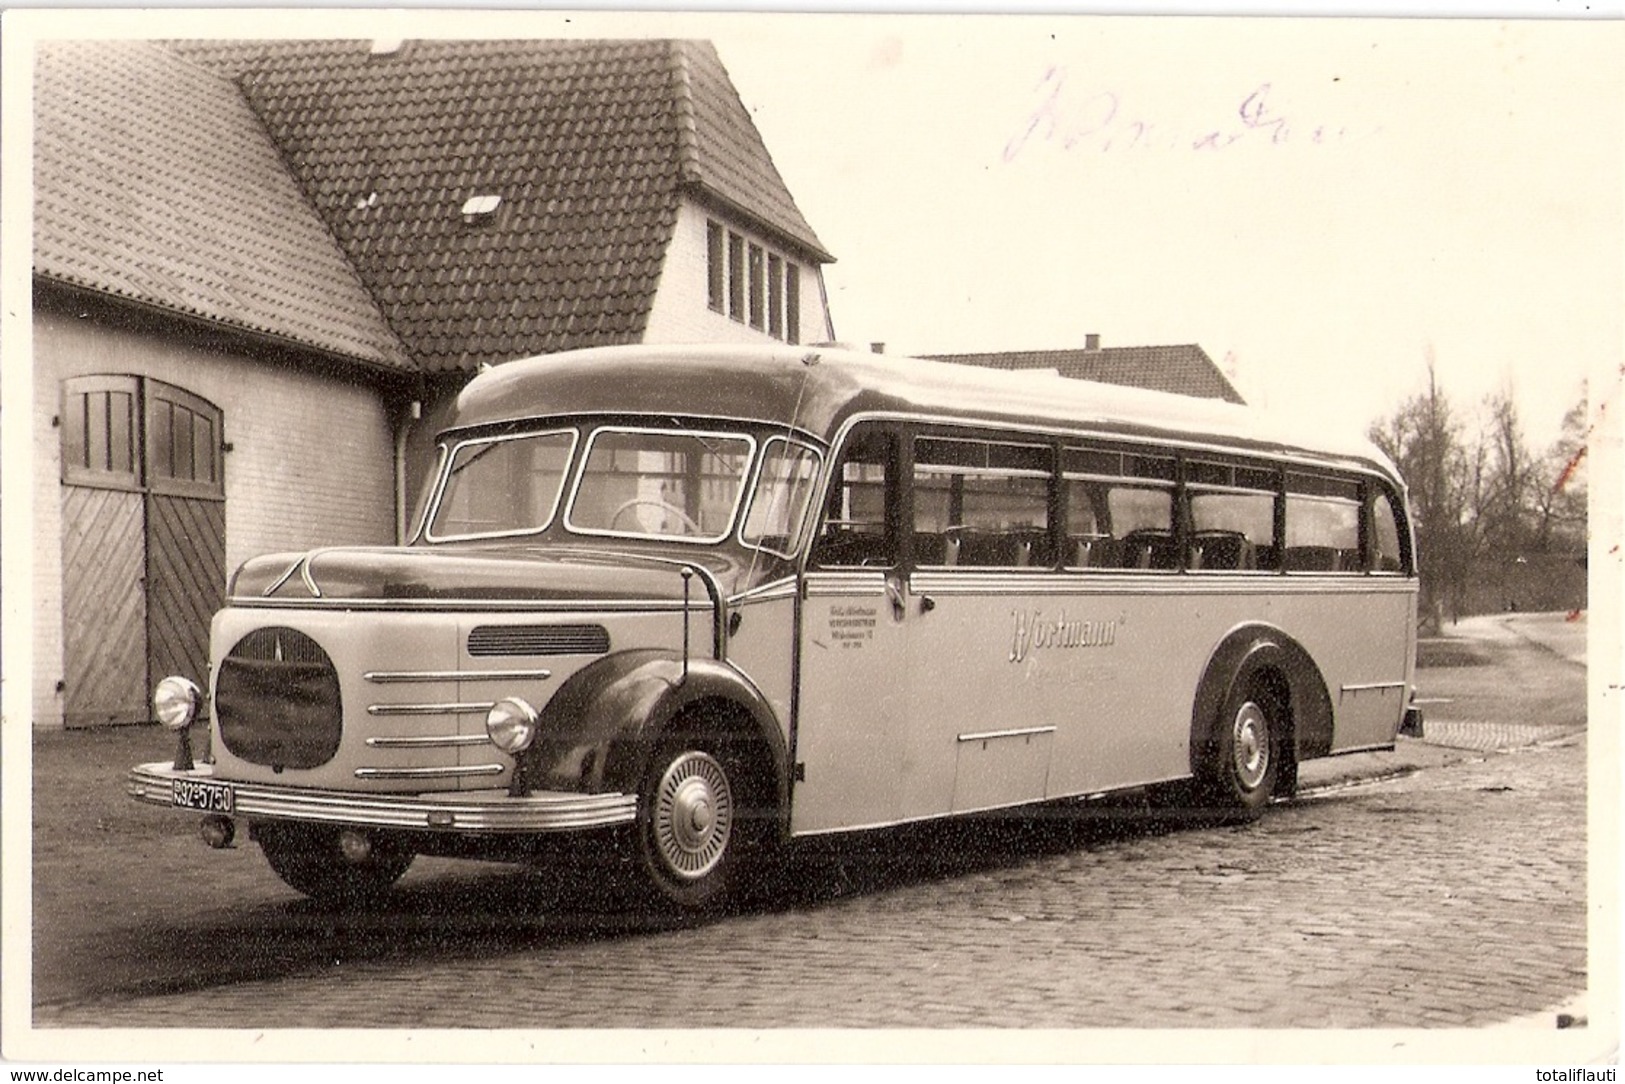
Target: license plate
<point>205,797</point>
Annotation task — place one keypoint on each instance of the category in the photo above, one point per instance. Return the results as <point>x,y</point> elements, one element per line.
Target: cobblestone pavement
<point>1441,884</point>
<point>1451,897</point>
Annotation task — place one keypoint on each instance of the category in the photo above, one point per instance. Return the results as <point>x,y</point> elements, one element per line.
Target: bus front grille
<point>277,700</point>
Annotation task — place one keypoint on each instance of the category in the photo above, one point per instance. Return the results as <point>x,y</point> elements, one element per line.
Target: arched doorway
<point>143,542</point>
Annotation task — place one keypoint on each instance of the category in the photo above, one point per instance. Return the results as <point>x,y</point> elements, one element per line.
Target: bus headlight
<point>176,701</point>
<point>511,723</point>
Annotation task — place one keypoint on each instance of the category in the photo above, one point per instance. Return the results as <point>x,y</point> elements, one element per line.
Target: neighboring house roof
<point>591,146</point>
<point>154,182</point>
<point>1184,369</point>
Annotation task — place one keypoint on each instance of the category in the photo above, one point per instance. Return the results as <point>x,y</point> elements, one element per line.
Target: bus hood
<point>483,574</point>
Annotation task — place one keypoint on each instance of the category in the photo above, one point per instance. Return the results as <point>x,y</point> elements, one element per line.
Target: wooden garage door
<point>104,607</point>
<point>186,531</point>
<point>143,543</point>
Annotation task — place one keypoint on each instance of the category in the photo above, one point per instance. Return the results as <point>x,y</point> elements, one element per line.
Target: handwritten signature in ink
<point>1100,122</point>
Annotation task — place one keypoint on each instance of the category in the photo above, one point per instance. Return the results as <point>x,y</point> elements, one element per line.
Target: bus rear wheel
<point>1247,752</point>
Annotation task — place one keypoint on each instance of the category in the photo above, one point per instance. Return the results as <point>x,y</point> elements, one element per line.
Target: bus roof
<point>816,389</point>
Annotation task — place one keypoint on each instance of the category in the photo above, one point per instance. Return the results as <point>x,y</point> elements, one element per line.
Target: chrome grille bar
<point>429,741</point>
<point>391,677</point>
<point>429,773</point>
<point>467,708</point>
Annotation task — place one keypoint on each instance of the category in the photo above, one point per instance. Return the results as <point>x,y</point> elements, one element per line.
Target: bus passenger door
<point>849,733</point>
<point>851,704</point>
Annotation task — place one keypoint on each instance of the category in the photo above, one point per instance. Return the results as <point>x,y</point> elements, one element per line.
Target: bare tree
<point>1510,481</point>
<point>1493,520</point>
<point>1446,480</point>
<point>1559,497</point>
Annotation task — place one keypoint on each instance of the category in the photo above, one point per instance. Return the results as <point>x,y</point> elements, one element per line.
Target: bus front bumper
<point>489,811</point>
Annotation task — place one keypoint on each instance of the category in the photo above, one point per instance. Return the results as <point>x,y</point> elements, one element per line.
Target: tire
<point>698,824</point>
<point>309,861</point>
<point>1247,752</point>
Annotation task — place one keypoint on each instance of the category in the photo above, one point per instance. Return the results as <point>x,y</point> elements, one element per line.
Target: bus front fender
<point>599,730</point>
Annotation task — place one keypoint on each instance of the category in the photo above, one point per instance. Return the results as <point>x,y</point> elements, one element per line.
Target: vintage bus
<point>699,601</point>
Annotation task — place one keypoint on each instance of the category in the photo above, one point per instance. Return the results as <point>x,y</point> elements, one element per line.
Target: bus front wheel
<point>1247,753</point>
<point>694,822</point>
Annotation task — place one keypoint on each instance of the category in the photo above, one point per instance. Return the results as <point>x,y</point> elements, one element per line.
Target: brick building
<point>263,270</point>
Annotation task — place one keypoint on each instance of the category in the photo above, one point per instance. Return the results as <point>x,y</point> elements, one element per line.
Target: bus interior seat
<point>1034,548</point>
<point>1225,551</point>
<point>930,549</point>
<point>1150,549</point>
<point>848,547</point>
<point>1096,551</point>
<point>1313,559</point>
<point>982,549</point>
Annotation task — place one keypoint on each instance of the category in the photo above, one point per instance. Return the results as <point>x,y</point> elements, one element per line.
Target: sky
<point>1323,205</point>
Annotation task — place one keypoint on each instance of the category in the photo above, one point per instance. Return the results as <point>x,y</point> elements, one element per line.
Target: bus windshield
<point>501,486</point>
<point>669,484</point>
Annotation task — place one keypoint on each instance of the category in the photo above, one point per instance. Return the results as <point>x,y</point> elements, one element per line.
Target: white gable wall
<point>681,312</point>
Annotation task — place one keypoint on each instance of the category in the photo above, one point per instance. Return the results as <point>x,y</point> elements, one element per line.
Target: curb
<point>1409,756</point>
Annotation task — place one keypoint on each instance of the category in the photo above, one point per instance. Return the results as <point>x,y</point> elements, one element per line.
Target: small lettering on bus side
<point>852,626</point>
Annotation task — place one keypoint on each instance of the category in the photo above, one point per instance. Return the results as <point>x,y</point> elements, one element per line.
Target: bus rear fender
<point>597,733</point>
<point>1262,650</point>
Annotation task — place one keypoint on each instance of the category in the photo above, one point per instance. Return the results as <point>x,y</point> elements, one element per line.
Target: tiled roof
<point>589,144</point>
<point>1185,369</point>
<point>727,157</point>
<point>154,182</point>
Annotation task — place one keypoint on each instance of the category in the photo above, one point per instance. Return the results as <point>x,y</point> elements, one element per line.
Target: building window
<point>736,277</point>
<point>100,433</point>
<point>716,266</point>
<point>792,304</point>
<point>751,284</point>
<point>758,293</point>
<point>114,426</point>
<point>775,297</point>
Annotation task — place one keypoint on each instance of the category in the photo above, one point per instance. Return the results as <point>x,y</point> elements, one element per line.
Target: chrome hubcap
<point>693,815</point>
<point>1250,745</point>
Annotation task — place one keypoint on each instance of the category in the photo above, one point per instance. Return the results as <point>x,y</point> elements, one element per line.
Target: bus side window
<point>1119,509</point>
<point>857,530</point>
<point>1232,532</point>
<point>1142,524</point>
<point>981,504</point>
<point>1386,555</point>
<point>1322,524</point>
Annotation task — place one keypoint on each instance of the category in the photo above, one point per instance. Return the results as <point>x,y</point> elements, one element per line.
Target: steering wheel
<point>665,506</point>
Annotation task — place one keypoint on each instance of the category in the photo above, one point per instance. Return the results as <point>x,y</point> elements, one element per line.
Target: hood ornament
<point>301,566</point>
